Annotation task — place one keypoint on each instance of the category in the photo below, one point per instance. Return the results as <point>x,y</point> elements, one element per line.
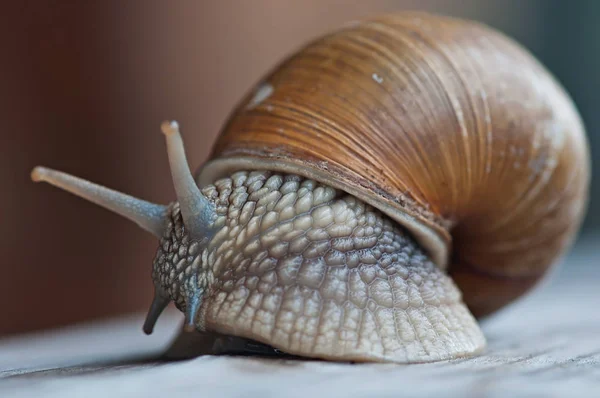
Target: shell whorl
<point>447,126</point>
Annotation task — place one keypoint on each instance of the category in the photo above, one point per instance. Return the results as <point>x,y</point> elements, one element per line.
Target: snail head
<point>184,228</point>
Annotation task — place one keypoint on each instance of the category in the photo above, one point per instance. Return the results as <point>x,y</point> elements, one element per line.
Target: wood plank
<point>546,345</point>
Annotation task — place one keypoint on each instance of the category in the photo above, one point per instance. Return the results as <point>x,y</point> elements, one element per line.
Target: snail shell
<point>445,125</point>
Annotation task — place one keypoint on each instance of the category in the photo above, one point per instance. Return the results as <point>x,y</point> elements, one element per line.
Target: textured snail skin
<point>313,272</point>
<point>445,125</point>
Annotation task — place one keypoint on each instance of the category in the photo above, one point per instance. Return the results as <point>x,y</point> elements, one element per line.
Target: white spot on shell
<point>537,164</point>
<point>263,92</point>
<point>377,78</point>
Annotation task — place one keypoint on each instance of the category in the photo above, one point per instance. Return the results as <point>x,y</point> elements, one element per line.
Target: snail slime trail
<point>375,227</point>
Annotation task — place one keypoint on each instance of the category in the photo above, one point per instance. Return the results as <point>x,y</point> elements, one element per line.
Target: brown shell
<point>446,125</point>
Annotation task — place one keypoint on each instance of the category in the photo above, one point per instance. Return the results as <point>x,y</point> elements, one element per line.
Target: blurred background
<point>85,85</point>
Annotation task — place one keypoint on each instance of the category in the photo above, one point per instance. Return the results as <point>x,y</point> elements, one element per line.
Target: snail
<point>373,197</point>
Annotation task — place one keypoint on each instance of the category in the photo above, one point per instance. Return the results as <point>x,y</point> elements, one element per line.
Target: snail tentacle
<point>149,216</point>
<point>159,303</point>
<point>198,213</point>
<point>191,310</point>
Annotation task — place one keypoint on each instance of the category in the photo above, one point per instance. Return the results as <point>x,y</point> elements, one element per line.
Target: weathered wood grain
<point>546,345</point>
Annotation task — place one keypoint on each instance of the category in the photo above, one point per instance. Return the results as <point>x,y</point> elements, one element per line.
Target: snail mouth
<point>159,303</point>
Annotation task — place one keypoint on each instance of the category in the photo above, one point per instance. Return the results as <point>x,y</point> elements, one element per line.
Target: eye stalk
<point>197,212</point>
<point>149,216</point>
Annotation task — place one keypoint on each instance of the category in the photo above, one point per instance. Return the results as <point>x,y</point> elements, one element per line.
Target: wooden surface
<point>546,345</point>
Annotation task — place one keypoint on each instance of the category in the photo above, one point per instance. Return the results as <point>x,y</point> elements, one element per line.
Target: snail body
<point>314,272</point>
<point>377,192</point>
